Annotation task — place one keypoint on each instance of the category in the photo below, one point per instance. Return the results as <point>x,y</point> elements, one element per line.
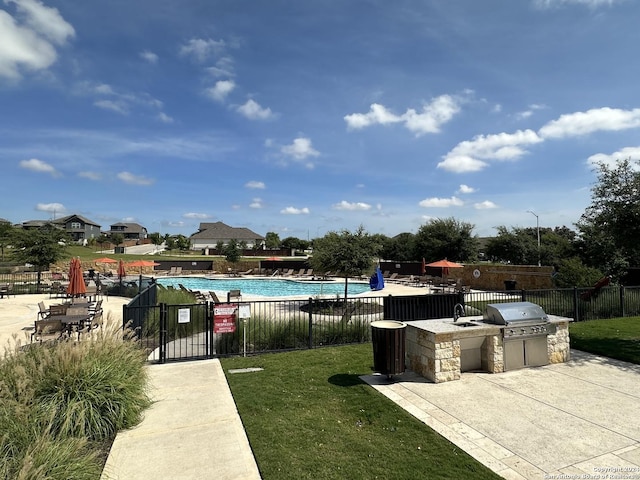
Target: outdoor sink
<point>466,324</point>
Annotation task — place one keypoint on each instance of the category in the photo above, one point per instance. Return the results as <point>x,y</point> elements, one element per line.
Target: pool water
<point>267,287</point>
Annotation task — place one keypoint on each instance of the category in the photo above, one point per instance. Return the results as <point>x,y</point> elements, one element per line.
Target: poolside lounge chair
<point>172,270</point>
<point>246,272</point>
<point>214,297</point>
<point>288,273</point>
<point>178,270</point>
<point>300,272</point>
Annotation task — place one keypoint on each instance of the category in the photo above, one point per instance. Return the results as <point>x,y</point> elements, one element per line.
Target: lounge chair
<point>288,273</point>
<point>178,270</point>
<point>300,272</point>
<point>248,272</point>
<point>172,270</point>
<point>214,297</point>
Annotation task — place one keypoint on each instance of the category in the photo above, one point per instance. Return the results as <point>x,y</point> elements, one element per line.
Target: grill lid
<point>514,313</point>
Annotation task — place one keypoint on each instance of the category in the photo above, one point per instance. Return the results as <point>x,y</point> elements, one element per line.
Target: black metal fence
<point>195,331</point>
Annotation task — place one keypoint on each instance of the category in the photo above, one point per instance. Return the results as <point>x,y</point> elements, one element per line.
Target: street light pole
<point>537,231</point>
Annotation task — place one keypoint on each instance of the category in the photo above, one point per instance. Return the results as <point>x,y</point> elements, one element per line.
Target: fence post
<point>164,313</point>
<point>310,322</point>
<point>209,327</point>
<point>575,304</point>
<point>523,295</point>
<point>622,300</point>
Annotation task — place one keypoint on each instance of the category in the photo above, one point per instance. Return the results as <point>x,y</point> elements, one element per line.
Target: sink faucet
<point>458,311</point>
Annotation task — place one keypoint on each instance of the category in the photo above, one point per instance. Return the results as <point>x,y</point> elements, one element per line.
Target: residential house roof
<point>130,227</point>
<point>68,218</point>
<point>221,231</point>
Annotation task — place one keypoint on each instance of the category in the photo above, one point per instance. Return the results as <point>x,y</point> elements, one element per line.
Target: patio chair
<point>48,330</point>
<point>43,312</point>
<point>214,297</point>
<point>178,271</point>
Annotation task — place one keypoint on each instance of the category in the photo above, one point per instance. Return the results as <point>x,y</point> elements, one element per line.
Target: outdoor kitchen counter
<point>440,349</point>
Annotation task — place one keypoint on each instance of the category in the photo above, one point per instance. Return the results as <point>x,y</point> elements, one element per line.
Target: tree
<point>156,238</point>
<point>345,253</point>
<point>231,251</point>
<point>293,243</point>
<point>446,238</point>
<point>117,238</point>
<point>400,248</point>
<point>610,227</point>
<point>7,233</point>
<point>40,247</point>
<point>272,240</point>
<point>573,273</point>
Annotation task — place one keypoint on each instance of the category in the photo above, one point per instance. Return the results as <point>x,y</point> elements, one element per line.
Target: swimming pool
<point>267,287</point>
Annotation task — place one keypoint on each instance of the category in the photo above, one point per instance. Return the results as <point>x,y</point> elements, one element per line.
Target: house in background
<point>80,229</point>
<point>130,231</point>
<point>211,234</point>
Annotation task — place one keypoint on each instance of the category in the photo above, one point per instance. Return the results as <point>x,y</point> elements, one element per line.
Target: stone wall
<point>558,344</point>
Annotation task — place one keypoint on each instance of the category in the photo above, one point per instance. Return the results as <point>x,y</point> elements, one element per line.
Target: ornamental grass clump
<point>62,403</point>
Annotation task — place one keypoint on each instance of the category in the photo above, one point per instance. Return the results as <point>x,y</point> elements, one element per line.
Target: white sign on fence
<point>184,315</point>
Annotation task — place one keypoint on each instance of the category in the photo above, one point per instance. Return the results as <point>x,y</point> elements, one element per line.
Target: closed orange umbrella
<point>76,285</point>
<point>122,272</point>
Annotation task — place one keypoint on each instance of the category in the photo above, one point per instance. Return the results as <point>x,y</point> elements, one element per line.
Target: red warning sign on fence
<point>224,317</point>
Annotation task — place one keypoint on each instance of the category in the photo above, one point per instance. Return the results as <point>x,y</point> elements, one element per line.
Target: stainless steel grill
<point>525,331</point>
<point>520,319</point>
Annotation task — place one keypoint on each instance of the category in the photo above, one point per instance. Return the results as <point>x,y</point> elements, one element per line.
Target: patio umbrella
<point>104,261</point>
<point>142,263</point>
<point>122,271</point>
<point>76,285</point>
<point>445,265</point>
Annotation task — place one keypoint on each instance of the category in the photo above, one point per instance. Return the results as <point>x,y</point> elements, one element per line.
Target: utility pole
<point>538,233</point>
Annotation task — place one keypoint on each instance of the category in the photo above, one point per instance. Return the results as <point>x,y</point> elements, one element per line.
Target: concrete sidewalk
<point>192,431</point>
<point>568,420</point>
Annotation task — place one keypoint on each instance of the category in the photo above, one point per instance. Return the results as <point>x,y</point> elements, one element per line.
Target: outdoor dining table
<point>71,321</point>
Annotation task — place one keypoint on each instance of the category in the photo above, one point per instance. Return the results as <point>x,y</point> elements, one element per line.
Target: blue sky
<point>304,117</point>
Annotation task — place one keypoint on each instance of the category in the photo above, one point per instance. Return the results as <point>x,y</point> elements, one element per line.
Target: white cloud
<point>39,166</point>
<point>467,156</point>
<point>378,114</point>
<point>351,206</point>
<point>295,211</point>
<point>530,111</point>
<point>196,216</point>
<point>148,56</point>
<point>255,185</point>
<point>252,110</point>
<point>222,68</point>
<point>50,207</point>
<point>587,3</point>
<point>90,175</point>
<point>200,49</point>
<point>487,204</point>
<point>164,118</point>
<point>611,159</point>
<point>27,42</point>
<point>594,120</point>
<point>112,105</point>
<point>256,203</point>
<point>220,90</point>
<point>300,149</point>
<point>433,115</point>
<point>466,189</point>
<point>441,202</point>
<point>461,164</point>
<point>128,177</point>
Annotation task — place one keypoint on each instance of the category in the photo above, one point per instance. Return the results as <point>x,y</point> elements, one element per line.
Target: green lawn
<point>615,338</point>
<point>309,416</point>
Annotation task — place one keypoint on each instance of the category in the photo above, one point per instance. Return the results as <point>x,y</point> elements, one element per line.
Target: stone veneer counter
<point>440,349</point>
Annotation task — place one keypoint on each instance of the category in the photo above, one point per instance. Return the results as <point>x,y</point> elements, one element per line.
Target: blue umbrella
<point>376,282</point>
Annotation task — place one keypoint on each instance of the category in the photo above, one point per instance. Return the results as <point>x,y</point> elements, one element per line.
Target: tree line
<point>602,242</point>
